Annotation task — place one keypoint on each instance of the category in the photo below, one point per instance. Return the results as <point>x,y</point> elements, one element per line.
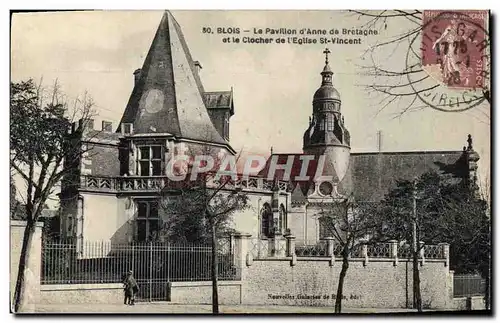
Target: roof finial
<point>271,150</point>
<point>469,141</point>
<point>326,52</point>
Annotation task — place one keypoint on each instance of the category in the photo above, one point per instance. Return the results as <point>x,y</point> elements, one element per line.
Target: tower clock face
<point>152,101</point>
<point>325,188</point>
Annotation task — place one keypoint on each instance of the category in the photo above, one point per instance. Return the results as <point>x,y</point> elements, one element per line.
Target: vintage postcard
<point>250,162</point>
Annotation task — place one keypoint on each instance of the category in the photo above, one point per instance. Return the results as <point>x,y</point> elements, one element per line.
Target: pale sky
<point>273,84</point>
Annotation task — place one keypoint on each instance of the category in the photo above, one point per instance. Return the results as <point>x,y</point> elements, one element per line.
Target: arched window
<point>266,220</point>
<point>329,122</point>
<point>322,122</point>
<point>325,227</point>
<point>282,224</point>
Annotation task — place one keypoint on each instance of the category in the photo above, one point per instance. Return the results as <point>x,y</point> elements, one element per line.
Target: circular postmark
<point>451,72</point>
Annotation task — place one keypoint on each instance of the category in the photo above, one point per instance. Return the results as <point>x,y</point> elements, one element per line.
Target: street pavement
<point>169,308</point>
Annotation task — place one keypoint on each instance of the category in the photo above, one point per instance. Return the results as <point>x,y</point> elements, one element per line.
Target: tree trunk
<point>417,296</point>
<point>487,296</point>
<point>340,287</point>
<point>487,280</point>
<point>215,292</point>
<point>23,260</point>
<point>487,292</point>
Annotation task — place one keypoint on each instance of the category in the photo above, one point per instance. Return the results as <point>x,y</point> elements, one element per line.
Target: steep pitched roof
<point>168,97</point>
<point>296,185</point>
<point>375,174</point>
<point>372,175</point>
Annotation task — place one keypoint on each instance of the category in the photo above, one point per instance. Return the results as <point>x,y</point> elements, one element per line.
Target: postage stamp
<point>455,53</point>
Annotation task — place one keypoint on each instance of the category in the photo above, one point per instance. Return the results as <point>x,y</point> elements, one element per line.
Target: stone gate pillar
<point>32,273</point>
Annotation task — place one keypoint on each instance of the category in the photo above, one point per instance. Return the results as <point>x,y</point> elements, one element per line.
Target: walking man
<point>130,288</point>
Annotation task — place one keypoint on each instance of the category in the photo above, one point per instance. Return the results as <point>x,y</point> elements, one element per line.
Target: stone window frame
<point>330,122</point>
<point>282,219</point>
<point>266,220</point>
<point>226,125</point>
<point>322,123</point>
<point>322,231</point>
<point>147,218</point>
<point>150,160</point>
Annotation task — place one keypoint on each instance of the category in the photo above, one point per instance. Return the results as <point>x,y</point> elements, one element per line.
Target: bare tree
<point>351,224</point>
<point>403,82</point>
<point>201,209</point>
<point>40,123</point>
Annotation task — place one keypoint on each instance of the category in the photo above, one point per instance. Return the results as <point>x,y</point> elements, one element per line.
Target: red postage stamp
<point>455,47</point>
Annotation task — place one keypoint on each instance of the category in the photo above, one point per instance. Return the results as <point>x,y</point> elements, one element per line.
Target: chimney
<point>85,125</point>
<point>137,75</point>
<point>107,126</point>
<point>197,64</point>
<point>379,141</point>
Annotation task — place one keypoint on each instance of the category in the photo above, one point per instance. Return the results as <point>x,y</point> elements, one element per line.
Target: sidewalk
<point>168,308</point>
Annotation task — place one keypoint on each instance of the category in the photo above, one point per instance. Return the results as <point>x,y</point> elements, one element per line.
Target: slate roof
<point>372,175</point>
<point>168,97</point>
<point>97,134</point>
<point>375,174</point>
<point>18,212</point>
<point>219,100</point>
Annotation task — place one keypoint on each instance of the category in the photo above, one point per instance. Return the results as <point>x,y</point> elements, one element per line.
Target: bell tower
<point>327,135</point>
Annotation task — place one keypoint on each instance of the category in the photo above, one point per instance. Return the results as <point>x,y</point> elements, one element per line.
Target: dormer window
<point>150,160</point>
<point>127,128</point>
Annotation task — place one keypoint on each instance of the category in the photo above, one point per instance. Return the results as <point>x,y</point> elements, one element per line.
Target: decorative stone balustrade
<point>156,183</point>
<point>328,248</point>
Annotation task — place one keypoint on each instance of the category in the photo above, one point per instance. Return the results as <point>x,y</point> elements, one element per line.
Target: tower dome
<point>326,91</point>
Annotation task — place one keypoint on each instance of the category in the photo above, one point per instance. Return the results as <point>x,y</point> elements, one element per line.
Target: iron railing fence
<point>433,252</point>
<point>105,262</point>
<point>468,285</point>
<point>379,250</point>
<point>429,251</point>
<point>320,249</point>
<point>259,248</point>
<point>304,249</point>
<point>404,251</point>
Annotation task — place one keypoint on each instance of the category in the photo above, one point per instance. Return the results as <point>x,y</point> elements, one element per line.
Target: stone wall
<point>82,294</point>
<point>313,282</point>
<point>33,266</point>
<point>382,281</point>
<point>230,292</point>
<point>181,293</point>
<point>469,303</point>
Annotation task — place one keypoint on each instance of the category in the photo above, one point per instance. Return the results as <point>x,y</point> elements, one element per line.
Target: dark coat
<point>130,285</point>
